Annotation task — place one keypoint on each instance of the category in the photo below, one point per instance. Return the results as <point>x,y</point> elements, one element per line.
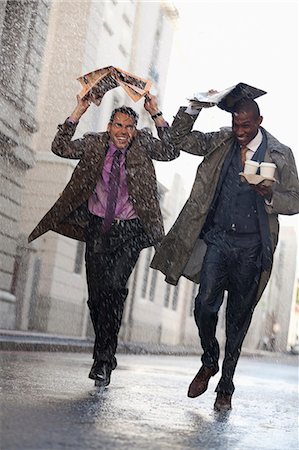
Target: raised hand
<point>151,104</point>
<point>82,106</point>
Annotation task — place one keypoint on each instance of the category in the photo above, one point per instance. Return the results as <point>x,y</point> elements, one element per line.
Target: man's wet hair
<point>125,110</point>
<point>247,105</point>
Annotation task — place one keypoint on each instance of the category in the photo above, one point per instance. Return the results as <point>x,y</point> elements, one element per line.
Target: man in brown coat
<point>226,234</point>
<point>111,203</point>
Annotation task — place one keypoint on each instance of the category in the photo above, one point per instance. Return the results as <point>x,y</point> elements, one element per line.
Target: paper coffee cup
<point>267,169</point>
<point>251,167</point>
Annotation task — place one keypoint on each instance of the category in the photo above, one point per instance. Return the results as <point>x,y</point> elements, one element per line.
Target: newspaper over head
<point>227,98</point>
<point>100,81</point>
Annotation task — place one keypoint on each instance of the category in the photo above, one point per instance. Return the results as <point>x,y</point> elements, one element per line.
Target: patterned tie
<point>112,192</point>
<point>244,150</point>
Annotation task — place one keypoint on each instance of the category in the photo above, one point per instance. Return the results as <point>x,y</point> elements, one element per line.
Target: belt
<point>118,222</point>
<point>233,232</point>
<point>122,221</point>
<point>254,235</point>
<point>96,220</point>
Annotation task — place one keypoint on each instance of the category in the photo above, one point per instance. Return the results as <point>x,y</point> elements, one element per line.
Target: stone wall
<point>23,28</point>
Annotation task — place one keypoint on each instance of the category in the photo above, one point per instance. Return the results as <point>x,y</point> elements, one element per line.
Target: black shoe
<point>200,382</point>
<point>101,373</point>
<point>223,402</point>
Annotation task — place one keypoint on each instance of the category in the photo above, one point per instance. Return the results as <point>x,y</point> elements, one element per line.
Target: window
<point>153,71</point>
<point>107,28</point>
<point>153,285</point>
<point>2,14</point>
<point>14,43</point>
<point>175,298</point>
<point>192,300</point>
<point>167,296</point>
<point>79,257</point>
<point>146,272</point>
<point>127,20</point>
<point>115,102</point>
<point>222,312</point>
<point>123,50</point>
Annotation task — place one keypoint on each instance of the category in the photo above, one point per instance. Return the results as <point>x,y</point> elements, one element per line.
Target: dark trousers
<point>233,264</point>
<point>110,259</point>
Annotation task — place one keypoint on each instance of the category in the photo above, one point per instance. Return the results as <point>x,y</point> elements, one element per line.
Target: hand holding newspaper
<point>97,83</point>
<point>225,99</point>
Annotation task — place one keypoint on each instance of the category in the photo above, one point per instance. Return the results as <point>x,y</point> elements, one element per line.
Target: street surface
<point>47,402</point>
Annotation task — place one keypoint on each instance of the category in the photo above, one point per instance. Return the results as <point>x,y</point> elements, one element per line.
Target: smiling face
<point>245,126</point>
<point>122,130</point>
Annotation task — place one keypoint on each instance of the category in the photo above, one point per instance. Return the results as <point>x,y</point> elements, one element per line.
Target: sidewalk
<point>12,340</point>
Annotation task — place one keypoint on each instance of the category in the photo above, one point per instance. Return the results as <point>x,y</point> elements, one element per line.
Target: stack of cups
<point>267,169</point>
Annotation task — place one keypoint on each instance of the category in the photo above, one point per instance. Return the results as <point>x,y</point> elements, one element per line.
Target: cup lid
<point>253,163</point>
<point>267,164</point>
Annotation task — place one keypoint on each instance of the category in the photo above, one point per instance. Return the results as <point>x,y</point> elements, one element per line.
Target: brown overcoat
<point>68,216</point>
<point>181,252</point>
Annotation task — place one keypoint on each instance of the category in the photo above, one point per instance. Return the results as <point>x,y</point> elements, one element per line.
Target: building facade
<point>271,327</point>
<point>23,30</point>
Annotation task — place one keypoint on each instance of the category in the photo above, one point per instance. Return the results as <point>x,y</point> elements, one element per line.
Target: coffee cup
<point>267,169</point>
<point>251,167</point>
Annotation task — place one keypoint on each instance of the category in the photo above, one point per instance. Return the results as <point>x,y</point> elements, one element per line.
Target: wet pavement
<point>47,402</point>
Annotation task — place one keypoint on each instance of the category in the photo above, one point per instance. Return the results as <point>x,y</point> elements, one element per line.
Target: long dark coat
<point>181,252</point>
<point>68,216</point>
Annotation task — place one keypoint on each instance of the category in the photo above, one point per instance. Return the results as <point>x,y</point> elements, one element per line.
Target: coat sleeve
<point>183,138</point>
<point>63,145</point>
<point>161,149</point>
<point>285,198</point>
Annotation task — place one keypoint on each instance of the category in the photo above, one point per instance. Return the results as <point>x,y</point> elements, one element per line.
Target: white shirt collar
<point>256,142</point>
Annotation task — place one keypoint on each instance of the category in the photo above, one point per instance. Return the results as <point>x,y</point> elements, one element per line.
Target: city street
<point>47,402</point>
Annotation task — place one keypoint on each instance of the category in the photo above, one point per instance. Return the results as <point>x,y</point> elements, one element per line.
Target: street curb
<point>22,341</point>
<point>12,340</point>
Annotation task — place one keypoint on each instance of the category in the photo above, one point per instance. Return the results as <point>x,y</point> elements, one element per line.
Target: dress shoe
<point>200,382</point>
<point>223,402</point>
<point>101,373</point>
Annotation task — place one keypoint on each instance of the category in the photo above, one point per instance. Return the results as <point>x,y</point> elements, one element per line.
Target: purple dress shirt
<point>97,201</point>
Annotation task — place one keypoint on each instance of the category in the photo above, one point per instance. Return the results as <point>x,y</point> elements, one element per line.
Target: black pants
<point>231,263</point>
<point>110,259</point>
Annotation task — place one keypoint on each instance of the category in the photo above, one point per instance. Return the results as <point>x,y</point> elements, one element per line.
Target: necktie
<point>112,192</point>
<point>243,155</point>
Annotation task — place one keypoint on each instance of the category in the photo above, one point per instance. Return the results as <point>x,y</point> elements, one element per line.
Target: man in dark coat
<point>226,234</point>
<point>111,203</point>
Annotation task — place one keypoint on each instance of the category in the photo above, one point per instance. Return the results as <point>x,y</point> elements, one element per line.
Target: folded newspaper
<point>227,98</point>
<point>100,81</point>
